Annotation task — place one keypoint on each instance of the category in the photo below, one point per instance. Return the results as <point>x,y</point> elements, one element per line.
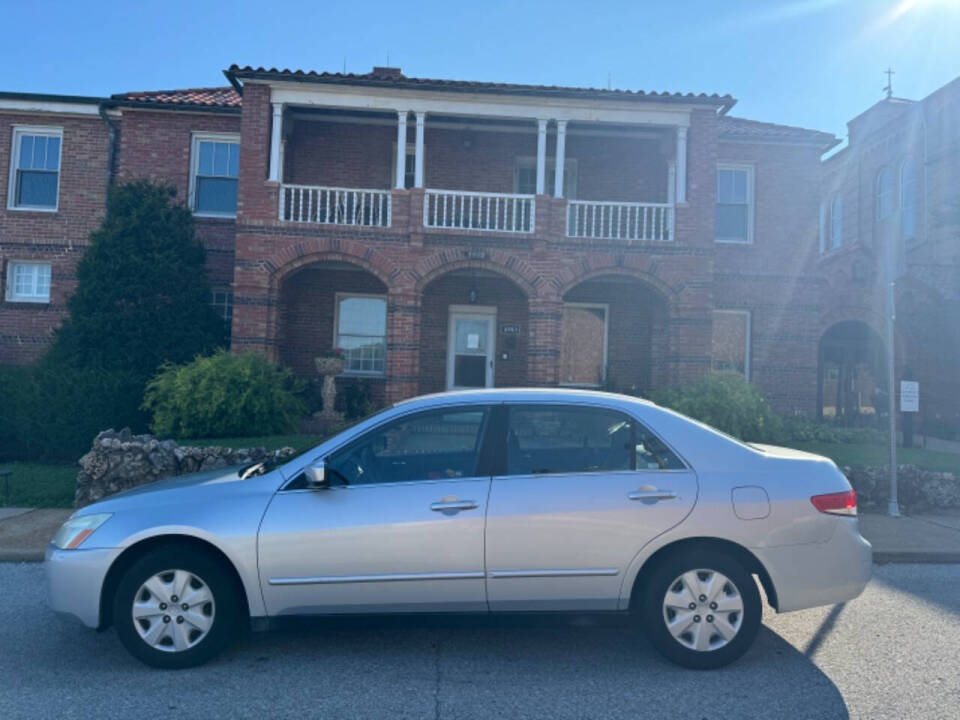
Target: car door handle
<point>652,495</point>
<point>453,506</point>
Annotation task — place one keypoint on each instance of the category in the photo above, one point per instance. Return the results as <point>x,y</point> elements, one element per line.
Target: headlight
<point>74,531</point>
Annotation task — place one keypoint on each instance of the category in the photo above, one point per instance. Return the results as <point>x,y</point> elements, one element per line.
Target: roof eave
<point>181,107</point>
<point>722,103</point>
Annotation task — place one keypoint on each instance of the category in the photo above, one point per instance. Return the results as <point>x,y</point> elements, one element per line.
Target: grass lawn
<point>854,454</point>
<point>36,485</point>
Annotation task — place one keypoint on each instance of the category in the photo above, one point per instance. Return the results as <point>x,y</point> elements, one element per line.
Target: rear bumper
<point>74,581</point>
<point>815,574</point>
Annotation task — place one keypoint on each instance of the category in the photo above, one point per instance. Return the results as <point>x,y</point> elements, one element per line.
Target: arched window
<point>884,195</point>
<point>908,199</point>
<point>823,227</point>
<point>836,221</point>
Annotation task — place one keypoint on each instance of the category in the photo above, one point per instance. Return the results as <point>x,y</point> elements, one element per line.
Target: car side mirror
<point>317,476</point>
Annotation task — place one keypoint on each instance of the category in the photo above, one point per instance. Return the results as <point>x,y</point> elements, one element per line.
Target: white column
<point>681,165</point>
<point>418,165</point>
<point>401,147</point>
<point>541,155</point>
<point>561,154</point>
<point>276,133</point>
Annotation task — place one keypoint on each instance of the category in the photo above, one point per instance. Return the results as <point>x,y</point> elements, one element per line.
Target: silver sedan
<point>485,501</point>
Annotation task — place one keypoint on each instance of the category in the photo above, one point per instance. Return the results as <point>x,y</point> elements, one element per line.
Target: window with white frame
<point>214,168</point>
<point>734,221</point>
<point>908,199</point>
<point>28,282</point>
<point>221,299</point>
<point>730,350</point>
<point>35,168</point>
<point>884,194</point>
<point>361,333</point>
<point>583,344</point>
<point>525,177</point>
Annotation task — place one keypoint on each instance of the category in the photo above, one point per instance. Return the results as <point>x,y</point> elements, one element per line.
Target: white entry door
<point>470,347</point>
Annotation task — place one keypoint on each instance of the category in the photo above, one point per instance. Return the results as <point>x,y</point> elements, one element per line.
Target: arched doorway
<point>329,305</point>
<point>614,335</point>
<point>852,388</point>
<point>473,331</point>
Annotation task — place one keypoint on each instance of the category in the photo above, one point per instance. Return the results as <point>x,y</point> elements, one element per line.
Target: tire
<point>719,629</point>
<point>165,635</point>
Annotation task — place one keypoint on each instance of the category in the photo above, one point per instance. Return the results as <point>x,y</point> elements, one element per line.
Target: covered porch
<point>478,173</point>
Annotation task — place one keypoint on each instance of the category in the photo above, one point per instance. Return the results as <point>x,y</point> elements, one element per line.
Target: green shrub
<point>725,401</point>
<point>223,395</point>
<point>53,413</point>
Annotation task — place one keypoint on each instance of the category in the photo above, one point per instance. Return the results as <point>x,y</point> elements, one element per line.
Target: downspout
<point>112,144</point>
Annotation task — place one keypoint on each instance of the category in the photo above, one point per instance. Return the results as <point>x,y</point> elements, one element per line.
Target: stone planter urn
<point>329,367</point>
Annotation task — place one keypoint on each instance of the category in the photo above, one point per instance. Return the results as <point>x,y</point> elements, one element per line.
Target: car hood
<point>190,487</point>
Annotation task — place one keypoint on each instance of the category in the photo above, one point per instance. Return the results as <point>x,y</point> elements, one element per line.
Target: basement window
<point>28,282</point>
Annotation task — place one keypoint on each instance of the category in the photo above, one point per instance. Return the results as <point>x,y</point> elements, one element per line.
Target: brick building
<point>890,201</point>
<point>449,234</point>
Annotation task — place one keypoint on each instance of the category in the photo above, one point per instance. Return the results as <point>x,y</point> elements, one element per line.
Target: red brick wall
<point>775,278</point>
<point>59,237</point>
<point>156,145</point>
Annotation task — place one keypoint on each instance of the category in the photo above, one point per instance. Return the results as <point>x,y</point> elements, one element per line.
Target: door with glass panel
<point>470,347</point>
<point>400,527</point>
<point>580,491</point>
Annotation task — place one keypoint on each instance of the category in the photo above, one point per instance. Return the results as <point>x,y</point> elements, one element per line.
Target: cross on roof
<point>889,88</point>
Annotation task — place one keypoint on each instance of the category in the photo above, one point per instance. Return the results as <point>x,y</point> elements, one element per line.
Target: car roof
<point>554,394</point>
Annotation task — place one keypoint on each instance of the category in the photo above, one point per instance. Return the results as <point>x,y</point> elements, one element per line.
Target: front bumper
<point>815,574</point>
<point>75,579</point>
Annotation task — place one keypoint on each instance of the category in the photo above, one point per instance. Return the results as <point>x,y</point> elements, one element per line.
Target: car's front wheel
<point>701,608</point>
<point>176,608</point>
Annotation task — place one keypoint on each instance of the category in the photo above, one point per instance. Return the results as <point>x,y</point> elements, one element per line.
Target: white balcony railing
<point>496,212</point>
<point>619,221</point>
<point>335,206</point>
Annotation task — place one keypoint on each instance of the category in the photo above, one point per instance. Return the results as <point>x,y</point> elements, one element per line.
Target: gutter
<point>232,79</point>
<point>112,144</point>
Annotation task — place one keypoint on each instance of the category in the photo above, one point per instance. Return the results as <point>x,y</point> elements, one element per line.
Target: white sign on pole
<point>909,396</point>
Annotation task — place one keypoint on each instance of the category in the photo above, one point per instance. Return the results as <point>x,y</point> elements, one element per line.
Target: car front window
<point>431,445</point>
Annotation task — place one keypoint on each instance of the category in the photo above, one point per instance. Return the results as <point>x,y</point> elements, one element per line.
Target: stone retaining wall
<point>122,460</point>
<point>917,489</point>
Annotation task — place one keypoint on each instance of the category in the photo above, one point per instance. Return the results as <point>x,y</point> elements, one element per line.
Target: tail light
<point>841,503</point>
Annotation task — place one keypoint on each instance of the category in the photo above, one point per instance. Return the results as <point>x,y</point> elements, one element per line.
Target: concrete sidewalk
<point>26,532</point>
<point>929,537</point>
<point>932,537</point>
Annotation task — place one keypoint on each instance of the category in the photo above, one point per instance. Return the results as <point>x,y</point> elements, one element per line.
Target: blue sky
<point>814,63</point>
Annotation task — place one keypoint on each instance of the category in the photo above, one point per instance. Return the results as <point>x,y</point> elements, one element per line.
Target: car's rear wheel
<point>701,608</point>
<point>176,608</point>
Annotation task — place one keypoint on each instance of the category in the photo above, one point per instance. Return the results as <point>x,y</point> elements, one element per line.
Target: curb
<point>20,556</point>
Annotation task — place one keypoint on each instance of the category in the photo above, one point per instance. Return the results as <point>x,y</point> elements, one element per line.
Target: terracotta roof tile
<point>204,97</point>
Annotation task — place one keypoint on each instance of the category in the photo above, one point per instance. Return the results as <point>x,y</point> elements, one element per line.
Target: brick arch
<point>570,278</point>
<point>313,251</point>
<point>502,263</point>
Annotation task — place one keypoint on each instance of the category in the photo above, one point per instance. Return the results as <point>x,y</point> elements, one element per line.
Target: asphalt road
<point>892,653</point>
